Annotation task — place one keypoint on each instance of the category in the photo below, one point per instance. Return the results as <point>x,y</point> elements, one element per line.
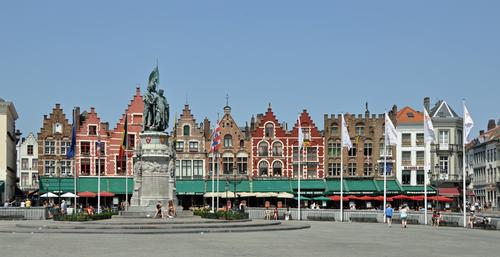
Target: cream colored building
<point>8,117</point>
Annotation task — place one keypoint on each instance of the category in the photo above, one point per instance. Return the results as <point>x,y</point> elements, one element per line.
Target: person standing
<point>276,213</point>
<point>287,213</point>
<point>403,214</point>
<point>388,214</point>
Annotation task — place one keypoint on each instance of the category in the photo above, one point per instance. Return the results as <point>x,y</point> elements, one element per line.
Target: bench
<point>447,223</point>
<point>321,218</point>
<point>408,221</point>
<point>364,219</point>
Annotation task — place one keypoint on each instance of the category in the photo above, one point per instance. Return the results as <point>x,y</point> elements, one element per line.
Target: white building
<point>8,117</point>
<point>483,161</point>
<point>27,167</point>
<point>411,149</point>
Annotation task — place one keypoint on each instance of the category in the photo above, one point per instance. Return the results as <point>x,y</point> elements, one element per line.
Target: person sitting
<point>158,213</point>
<point>171,209</point>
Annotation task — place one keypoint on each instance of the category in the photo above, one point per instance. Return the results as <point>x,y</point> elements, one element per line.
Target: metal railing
<point>32,213</point>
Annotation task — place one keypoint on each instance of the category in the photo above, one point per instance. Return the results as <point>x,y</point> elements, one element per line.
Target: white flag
<point>346,140</point>
<point>429,133</point>
<point>391,136</point>
<point>468,124</point>
<point>301,136</point>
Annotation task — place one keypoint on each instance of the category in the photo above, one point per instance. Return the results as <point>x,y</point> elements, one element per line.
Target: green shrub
<point>226,215</point>
<point>84,216</point>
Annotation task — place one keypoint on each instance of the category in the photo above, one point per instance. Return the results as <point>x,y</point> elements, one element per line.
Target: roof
<point>442,110</point>
<point>409,115</point>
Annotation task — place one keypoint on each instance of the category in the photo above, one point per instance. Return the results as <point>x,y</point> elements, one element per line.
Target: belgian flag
<point>124,144</point>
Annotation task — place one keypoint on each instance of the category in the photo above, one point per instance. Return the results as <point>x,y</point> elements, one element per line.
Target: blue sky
<point>324,56</point>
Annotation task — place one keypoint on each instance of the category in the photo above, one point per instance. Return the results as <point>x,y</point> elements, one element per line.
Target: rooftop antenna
<point>227,99</point>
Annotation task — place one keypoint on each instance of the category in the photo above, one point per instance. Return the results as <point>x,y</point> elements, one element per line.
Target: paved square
<point>323,239</point>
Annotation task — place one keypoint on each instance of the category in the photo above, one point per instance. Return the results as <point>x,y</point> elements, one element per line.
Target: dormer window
<point>269,130</point>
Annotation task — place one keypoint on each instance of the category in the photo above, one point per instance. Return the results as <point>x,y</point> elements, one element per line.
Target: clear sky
<point>325,56</point>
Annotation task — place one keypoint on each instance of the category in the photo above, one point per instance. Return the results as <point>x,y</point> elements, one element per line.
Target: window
<point>269,130</point>
<point>50,147</point>
<point>227,165</point>
<point>334,169</point>
<point>388,169</point>
<point>459,137</point>
<point>368,169</point>
<point>333,149</point>
<point>177,168</point>
<point>307,134</point>
<point>352,151</point>
<point>92,130</point>
<point>263,168</point>
<point>34,179</point>
<point>406,177</point>
<point>30,149</point>
<point>100,166</point>
<point>131,141</point>
<point>102,148</point>
<point>211,166</point>
<point>406,139</point>
<point>242,163</point>
<point>85,148</point>
<point>420,139</point>
<point>25,164</point>
<point>34,164</point>
<point>352,169</point>
<point>312,172</point>
<point>312,154</point>
<point>420,177</point>
<point>420,158</point>
<point>443,164</point>
<point>179,146</point>
<point>296,171</point>
<point>368,149</point>
<point>198,168</point>
<point>444,137</point>
<point>50,168</point>
<point>193,146</point>
<point>277,149</point>
<point>385,152</point>
<point>406,158</point>
<point>263,149</point>
<point>228,141</point>
<point>186,130</point>
<point>66,167</point>
<point>360,130</point>
<point>65,145</point>
<point>25,179</point>
<point>85,167</point>
<point>121,165</point>
<point>335,128</point>
<point>277,169</point>
<point>186,168</point>
<point>242,143</point>
<point>295,154</point>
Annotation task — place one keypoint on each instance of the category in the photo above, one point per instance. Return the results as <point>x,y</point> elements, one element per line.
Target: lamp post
<point>58,162</point>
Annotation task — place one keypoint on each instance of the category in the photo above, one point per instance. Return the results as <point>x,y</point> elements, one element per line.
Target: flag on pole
<point>429,132</point>
<point>71,151</point>
<point>301,135</point>
<point>346,140</point>
<point>98,147</point>
<point>468,124</point>
<point>124,144</point>
<point>391,136</point>
<point>216,138</point>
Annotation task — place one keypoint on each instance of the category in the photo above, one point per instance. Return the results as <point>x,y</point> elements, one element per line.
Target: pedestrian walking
<point>388,214</point>
<point>403,214</point>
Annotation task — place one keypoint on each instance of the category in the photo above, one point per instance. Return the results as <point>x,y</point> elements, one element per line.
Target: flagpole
<point>126,181</point>
<point>426,160</point>
<point>73,130</point>
<point>217,155</point>
<point>464,138</point>
<point>342,169</point>
<point>98,174</point>
<point>385,169</point>
<point>213,180</point>
<point>298,181</point>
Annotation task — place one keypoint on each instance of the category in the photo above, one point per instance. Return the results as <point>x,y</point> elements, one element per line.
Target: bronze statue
<point>156,109</point>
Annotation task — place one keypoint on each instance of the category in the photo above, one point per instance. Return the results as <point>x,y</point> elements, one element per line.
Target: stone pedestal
<point>154,180</point>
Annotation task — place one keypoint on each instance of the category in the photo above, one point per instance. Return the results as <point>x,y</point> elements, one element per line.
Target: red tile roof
<point>408,115</point>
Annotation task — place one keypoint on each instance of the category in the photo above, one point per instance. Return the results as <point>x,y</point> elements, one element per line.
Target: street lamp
<point>59,181</point>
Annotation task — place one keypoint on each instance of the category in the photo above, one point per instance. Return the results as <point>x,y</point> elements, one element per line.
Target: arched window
<point>228,141</point>
<point>277,169</point>
<point>334,128</point>
<point>277,149</point>
<point>186,130</point>
<point>263,168</point>
<point>269,130</point>
<point>263,149</point>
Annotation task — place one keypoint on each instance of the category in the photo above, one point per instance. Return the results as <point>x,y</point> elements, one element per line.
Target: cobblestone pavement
<point>322,239</point>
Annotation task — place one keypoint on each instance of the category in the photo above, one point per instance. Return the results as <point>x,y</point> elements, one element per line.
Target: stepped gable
<point>262,119</point>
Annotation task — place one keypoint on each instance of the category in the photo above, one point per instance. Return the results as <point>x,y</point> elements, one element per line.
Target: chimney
<point>206,128</point>
<point>491,124</point>
<point>427,103</point>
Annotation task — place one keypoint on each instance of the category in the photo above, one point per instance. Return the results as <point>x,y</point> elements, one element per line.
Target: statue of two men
<point>156,108</point>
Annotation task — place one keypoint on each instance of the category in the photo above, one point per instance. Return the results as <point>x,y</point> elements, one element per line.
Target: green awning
<point>190,187</point>
<point>321,198</point>
<point>333,186</point>
<point>302,198</point>
<point>309,186</point>
<point>393,186</point>
<point>271,186</point>
<point>114,185</point>
<point>360,186</point>
<point>418,190</point>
